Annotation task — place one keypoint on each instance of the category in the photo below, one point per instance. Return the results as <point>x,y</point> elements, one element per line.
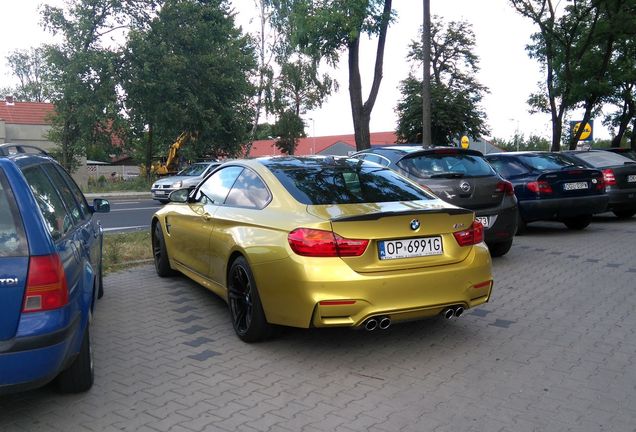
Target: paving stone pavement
<point>555,350</point>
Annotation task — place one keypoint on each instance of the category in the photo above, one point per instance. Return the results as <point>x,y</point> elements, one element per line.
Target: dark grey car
<point>460,177</point>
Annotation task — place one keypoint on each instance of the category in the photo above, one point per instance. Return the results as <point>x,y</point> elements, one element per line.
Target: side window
<point>217,186</point>
<point>248,191</point>
<point>12,238</point>
<point>56,218</point>
<point>77,193</point>
<point>67,196</point>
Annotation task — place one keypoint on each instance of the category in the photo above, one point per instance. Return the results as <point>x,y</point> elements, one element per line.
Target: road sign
<point>588,130</point>
<point>465,142</point>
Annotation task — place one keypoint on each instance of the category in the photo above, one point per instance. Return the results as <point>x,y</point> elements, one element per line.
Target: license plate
<point>161,192</point>
<point>484,220</point>
<point>631,178</point>
<point>410,248</point>
<point>575,186</point>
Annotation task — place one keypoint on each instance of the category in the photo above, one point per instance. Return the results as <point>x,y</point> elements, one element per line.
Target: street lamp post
<point>426,82</point>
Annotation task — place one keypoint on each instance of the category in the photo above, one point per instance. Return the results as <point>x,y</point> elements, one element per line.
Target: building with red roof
<point>336,145</point>
<point>25,122</point>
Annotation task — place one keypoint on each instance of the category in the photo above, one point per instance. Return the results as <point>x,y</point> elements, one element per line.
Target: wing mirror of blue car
<point>101,205</point>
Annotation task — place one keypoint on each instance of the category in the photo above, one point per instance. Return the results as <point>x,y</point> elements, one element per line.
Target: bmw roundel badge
<point>415,224</point>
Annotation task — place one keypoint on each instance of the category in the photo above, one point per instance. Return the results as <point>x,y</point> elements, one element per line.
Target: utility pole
<point>426,83</point>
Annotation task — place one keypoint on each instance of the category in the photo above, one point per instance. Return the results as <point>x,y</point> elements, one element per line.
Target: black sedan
<point>623,151</point>
<point>620,178</point>
<point>460,177</point>
<point>550,186</point>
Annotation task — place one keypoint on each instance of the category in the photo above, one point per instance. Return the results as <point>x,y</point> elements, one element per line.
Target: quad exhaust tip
<point>379,322</point>
<point>454,311</point>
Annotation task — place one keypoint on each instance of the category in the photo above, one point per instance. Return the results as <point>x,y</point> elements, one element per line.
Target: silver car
<point>190,176</point>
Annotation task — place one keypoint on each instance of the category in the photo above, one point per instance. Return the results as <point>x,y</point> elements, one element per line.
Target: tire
<point>100,280</point>
<point>79,376</point>
<point>522,227</point>
<point>500,248</point>
<point>578,223</point>
<point>624,214</point>
<point>160,254</point>
<point>246,310</point>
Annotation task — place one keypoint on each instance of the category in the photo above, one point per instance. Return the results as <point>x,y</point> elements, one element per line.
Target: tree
<point>325,29</point>
<point>83,73</point>
<point>576,49</point>
<point>455,93</point>
<point>189,72</point>
<point>288,129</point>
<point>520,143</point>
<point>28,67</point>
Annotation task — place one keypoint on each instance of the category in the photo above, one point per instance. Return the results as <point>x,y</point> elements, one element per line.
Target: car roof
<point>414,150</point>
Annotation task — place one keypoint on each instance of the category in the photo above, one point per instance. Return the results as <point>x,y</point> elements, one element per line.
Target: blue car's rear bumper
<point>32,361</point>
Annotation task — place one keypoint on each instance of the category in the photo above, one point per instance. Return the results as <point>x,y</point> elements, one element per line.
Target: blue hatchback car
<point>50,273</point>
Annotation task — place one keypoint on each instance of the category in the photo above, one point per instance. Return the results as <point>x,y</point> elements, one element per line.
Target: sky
<point>501,36</point>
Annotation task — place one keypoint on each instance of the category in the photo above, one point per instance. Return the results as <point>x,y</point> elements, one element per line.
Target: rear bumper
<point>291,290</point>
<point>503,225</point>
<point>621,198</point>
<point>562,208</point>
<point>32,361</point>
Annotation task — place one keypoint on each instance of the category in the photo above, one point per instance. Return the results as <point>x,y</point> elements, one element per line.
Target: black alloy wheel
<point>160,254</point>
<point>248,318</point>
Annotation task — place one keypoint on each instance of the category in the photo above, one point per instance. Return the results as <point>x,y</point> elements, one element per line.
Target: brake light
<point>540,187</point>
<point>471,236</point>
<point>46,284</point>
<point>320,243</point>
<point>505,187</point>
<point>445,151</point>
<point>609,177</point>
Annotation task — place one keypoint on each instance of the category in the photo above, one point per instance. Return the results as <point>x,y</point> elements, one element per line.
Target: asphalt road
<point>128,214</point>
<point>554,351</point>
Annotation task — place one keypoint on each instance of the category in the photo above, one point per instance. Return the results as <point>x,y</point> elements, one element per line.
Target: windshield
<point>547,161</point>
<point>446,166</point>
<point>346,182</point>
<point>194,170</point>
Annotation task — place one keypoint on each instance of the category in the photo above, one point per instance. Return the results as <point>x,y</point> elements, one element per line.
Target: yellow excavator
<point>171,164</point>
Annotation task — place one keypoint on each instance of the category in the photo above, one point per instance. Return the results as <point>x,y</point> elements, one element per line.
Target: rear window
<point>603,159</point>
<point>446,165</point>
<point>508,167</point>
<point>546,161</point>
<point>12,239</point>
<point>346,182</point>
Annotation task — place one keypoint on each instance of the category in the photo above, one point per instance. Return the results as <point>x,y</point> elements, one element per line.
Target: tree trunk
<point>628,112</point>
<point>361,113</point>
<point>632,140</point>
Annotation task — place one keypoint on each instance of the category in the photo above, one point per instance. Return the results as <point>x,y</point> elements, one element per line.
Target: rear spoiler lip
<point>378,215</point>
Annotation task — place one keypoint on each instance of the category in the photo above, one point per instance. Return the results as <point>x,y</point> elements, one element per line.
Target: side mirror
<point>180,195</point>
<point>101,205</point>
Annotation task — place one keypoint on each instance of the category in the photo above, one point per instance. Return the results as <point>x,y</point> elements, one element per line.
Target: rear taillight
<point>319,243</point>
<point>609,177</point>
<point>471,236</point>
<point>540,187</point>
<point>505,187</point>
<point>46,284</point>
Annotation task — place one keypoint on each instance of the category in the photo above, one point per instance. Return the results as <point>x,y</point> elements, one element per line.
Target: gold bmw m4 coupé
<point>323,242</point>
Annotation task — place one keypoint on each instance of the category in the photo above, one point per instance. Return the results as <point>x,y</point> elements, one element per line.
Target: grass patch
<point>125,250</point>
<point>102,184</point>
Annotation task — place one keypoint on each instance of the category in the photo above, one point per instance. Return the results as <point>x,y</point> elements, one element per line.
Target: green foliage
<point>102,184</point>
<point>28,66</point>
<point>520,143</point>
<point>83,74</point>
<point>189,72</point>
<point>455,93</point>
<point>287,130</point>
<point>324,30</point>
<point>584,51</point>
<point>264,131</point>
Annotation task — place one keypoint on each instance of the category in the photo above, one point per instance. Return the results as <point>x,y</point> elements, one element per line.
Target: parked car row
<point>50,273</point>
<point>393,233</point>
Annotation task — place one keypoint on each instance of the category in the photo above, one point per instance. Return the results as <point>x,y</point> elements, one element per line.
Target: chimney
<point>8,100</point>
